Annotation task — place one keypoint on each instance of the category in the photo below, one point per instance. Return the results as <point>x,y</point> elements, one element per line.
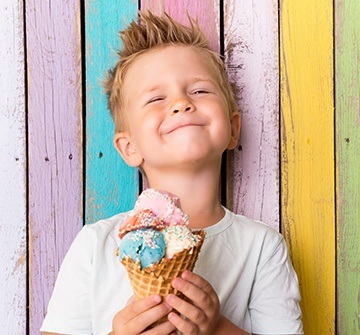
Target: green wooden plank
<point>111,186</point>
<point>347,80</point>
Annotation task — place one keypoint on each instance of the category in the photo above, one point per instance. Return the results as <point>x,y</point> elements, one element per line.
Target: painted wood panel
<point>251,49</point>
<point>347,80</point>
<point>307,155</point>
<point>111,186</point>
<point>13,257</point>
<point>54,143</point>
<point>206,12</point>
<point>247,33</point>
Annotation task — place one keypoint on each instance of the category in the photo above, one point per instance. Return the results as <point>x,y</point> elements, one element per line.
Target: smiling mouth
<point>184,126</point>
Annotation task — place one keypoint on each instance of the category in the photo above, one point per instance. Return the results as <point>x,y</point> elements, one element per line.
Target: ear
<point>235,122</point>
<point>124,146</point>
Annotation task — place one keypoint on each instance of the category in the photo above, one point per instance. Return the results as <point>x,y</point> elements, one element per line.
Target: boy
<point>175,115</point>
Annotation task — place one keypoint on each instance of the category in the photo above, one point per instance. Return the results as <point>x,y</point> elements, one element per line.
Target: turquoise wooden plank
<point>111,186</point>
<point>13,251</point>
<point>54,144</point>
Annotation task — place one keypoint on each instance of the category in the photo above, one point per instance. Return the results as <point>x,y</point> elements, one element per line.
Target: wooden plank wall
<point>13,249</point>
<point>111,186</point>
<point>307,155</point>
<point>54,138</point>
<point>296,67</point>
<point>347,115</point>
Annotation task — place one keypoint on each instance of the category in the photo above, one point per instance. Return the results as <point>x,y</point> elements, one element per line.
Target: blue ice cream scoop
<point>146,245</point>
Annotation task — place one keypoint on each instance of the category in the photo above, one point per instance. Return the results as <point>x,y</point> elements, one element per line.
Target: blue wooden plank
<point>111,186</point>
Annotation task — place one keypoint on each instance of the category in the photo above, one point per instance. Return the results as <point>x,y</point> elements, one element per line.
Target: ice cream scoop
<point>164,205</point>
<point>156,209</point>
<point>178,238</point>
<point>146,245</point>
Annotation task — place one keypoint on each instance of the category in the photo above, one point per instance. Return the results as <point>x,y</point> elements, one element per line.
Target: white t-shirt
<point>245,261</point>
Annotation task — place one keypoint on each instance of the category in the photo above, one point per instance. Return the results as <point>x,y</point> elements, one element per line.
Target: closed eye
<point>154,100</point>
<point>200,92</point>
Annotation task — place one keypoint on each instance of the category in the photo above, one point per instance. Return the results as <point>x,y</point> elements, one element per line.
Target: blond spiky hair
<point>150,32</point>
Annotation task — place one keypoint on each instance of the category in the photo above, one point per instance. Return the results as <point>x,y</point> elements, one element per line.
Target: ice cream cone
<point>157,278</point>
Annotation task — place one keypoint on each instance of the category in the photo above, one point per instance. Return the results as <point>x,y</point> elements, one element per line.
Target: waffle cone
<point>157,279</point>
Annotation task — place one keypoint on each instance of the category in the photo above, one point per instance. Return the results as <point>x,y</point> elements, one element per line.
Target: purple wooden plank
<point>251,43</point>
<point>55,152</point>
<point>12,170</point>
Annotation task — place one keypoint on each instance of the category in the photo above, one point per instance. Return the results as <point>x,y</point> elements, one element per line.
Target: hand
<point>138,316</point>
<point>201,312</point>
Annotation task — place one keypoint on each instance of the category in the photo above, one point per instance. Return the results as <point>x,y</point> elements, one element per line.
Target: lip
<point>168,129</point>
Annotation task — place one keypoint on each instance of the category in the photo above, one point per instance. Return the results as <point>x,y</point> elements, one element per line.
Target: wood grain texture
<point>251,49</point>
<point>111,186</point>
<point>55,143</point>
<point>347,79</point>
<point>307,155</point>
<point>206,12</point>
<point>13,253</point>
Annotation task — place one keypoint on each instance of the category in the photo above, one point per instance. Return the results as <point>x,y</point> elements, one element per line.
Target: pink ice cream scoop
<point>164,205</point>
<point>155,209</point>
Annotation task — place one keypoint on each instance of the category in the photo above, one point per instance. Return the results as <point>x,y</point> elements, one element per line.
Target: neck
<point>198,194</point>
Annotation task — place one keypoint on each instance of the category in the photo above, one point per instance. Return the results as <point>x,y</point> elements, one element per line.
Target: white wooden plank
<point>12,170</point>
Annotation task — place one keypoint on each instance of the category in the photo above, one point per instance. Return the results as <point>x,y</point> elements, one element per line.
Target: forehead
<point>171,61</point>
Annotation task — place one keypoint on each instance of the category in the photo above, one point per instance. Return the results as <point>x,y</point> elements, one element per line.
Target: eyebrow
<point>197,79</point>
<point>194,80</point>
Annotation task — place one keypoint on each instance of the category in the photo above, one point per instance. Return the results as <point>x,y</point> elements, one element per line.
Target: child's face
<point>175,112</point>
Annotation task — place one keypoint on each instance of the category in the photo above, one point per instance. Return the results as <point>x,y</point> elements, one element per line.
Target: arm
<point>225,326</point>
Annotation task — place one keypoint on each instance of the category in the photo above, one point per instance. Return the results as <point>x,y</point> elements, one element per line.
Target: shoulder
<point>239,226</point>
<point>250,237</point>
<point>106,226</point>
<point>99,234</point>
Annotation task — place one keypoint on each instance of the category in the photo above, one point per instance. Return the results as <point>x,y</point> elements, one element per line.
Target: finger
<point>191,312</point>
<point>164,328</point>
<point>197,281</point>
<point>138,323</point>
<point>140,306</point>
<point>184,326</point>
<point>131,300</point>
<point>202,296</point>
<point>151,316</point>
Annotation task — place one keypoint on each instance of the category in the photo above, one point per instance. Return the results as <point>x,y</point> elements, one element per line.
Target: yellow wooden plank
<point>307,149</point>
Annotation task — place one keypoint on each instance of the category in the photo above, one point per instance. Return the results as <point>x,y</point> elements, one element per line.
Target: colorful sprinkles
<point>160,211</point>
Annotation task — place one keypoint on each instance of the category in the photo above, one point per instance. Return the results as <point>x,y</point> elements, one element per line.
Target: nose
<point>182,105</point>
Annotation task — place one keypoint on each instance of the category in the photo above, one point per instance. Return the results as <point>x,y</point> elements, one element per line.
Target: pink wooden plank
<point>55,152</point>
<point>12,170</point>
<point>251,44</point>
<point>205,11</point>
